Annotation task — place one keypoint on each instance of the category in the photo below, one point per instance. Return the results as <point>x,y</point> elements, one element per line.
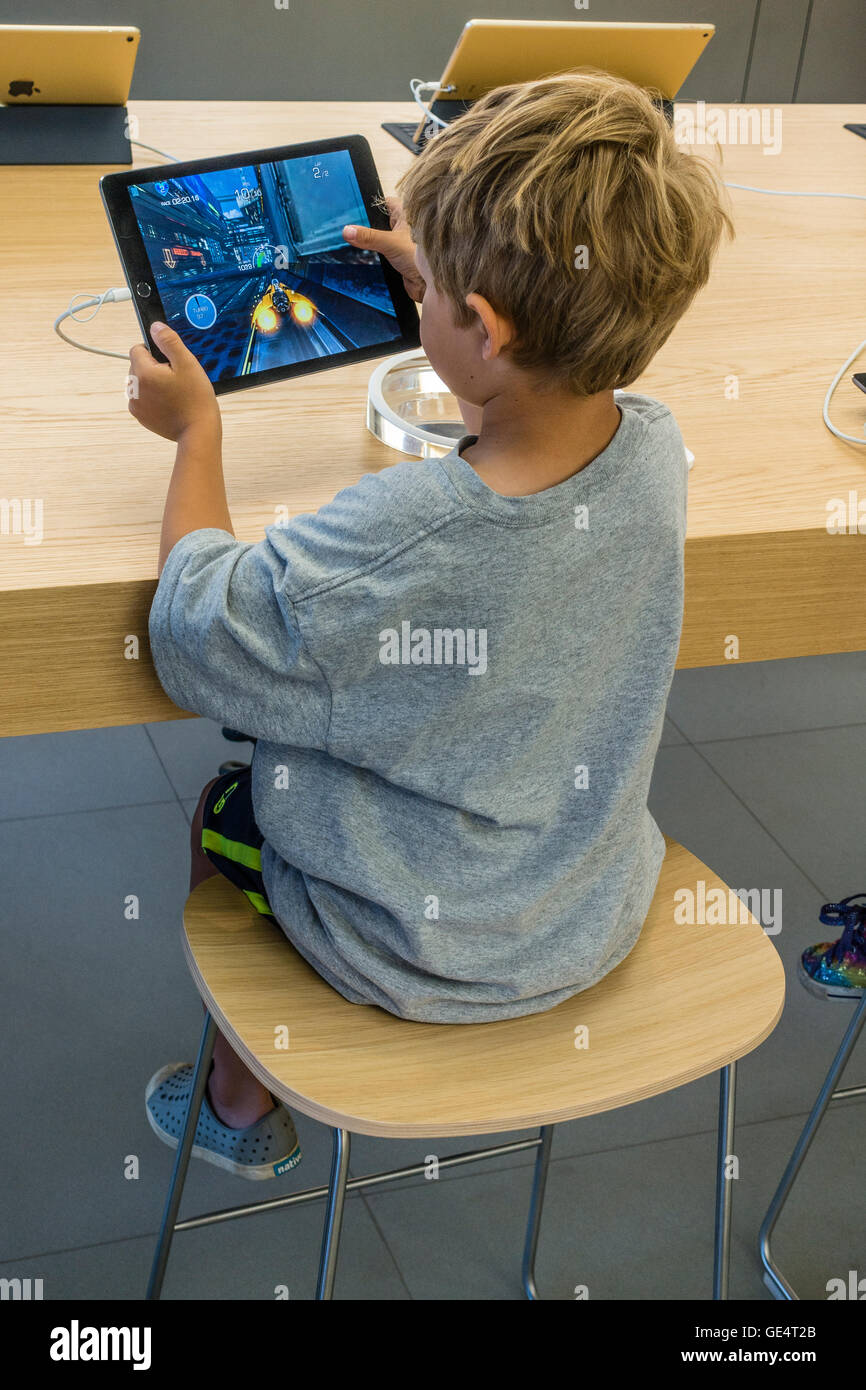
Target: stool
<point>687,1001</point>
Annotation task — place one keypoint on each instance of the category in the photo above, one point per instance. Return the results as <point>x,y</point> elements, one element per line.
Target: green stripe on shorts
<point>234,850</point>
<point>259,902</point>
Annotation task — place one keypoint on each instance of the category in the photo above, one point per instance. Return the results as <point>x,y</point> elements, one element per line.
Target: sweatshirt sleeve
<point>226,641</point>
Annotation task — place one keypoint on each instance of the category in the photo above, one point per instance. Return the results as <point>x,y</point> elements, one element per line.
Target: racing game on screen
<point>252,268</point>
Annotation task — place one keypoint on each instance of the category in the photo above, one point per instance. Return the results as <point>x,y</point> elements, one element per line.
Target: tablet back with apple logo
<point>66,65</point>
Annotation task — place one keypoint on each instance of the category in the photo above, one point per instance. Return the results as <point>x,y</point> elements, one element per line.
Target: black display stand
<point>64,135</point>
<point>404,131</point>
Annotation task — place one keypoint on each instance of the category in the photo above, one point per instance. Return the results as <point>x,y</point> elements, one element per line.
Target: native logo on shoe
<point>285,1164</point>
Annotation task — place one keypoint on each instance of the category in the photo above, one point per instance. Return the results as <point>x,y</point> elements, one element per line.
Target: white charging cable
<point>172,159</point>
<point>95,302</point>
<point>791,193</point>
<point>794,193</point>
<point>851,438</point>
<point>416,87</point>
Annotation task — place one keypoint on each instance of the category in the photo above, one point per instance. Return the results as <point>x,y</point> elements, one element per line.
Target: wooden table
<point>782,312</point>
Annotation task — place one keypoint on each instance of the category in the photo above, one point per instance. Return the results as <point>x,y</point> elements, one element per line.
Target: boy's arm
<point>196,494</point>
<point>176,400</point>
<point>224,635</point>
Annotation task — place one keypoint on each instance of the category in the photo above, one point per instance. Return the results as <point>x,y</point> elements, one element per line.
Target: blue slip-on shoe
<point>262,1150</point>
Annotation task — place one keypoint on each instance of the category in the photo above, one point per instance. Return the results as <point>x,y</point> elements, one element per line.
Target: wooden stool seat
<point>687,1001</point>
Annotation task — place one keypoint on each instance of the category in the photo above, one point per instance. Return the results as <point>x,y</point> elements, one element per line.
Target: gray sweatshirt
<point>458,698</point>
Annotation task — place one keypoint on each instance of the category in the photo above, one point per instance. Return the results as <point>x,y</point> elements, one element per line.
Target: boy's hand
<point>396,246</point>
<point>170,398</point>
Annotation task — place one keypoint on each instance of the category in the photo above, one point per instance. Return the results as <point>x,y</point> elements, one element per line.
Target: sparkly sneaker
<point>262,1150</point>
<point>837,969</point>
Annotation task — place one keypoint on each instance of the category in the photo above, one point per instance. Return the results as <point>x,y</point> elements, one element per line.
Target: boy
<point>457,670</point>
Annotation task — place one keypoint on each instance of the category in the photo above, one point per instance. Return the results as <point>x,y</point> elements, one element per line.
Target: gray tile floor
<point>760,774</point>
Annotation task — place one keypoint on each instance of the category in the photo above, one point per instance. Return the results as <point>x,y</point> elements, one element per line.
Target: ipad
<point>495,52</point>
<point>244,257</point>
<point>66,64</point>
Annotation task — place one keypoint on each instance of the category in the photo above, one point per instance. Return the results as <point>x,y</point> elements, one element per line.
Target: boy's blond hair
<point>504,198</point>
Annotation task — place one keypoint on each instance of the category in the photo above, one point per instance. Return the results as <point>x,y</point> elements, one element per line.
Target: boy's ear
<point>498,331</point>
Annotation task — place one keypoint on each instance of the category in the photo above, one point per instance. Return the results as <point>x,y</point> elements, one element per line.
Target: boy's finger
<point>169,342</point>
<point>140,358</point>
<point>370,239</point>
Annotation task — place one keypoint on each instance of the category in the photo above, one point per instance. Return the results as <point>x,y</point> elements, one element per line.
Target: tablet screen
<point>252,269</point>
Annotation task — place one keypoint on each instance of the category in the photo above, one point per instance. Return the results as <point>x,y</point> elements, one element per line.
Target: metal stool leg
<point>722,1249</point>
<point>536,1202</point>
<point>334,1214</point>
<point>181,1159</point>
<point>773,1276</point>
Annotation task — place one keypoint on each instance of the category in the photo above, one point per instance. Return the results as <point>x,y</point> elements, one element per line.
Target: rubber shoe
<point>262,1150</point>
<point>837,969</point>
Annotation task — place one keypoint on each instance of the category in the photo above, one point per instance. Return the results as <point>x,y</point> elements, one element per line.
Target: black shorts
<point>231,839</point>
